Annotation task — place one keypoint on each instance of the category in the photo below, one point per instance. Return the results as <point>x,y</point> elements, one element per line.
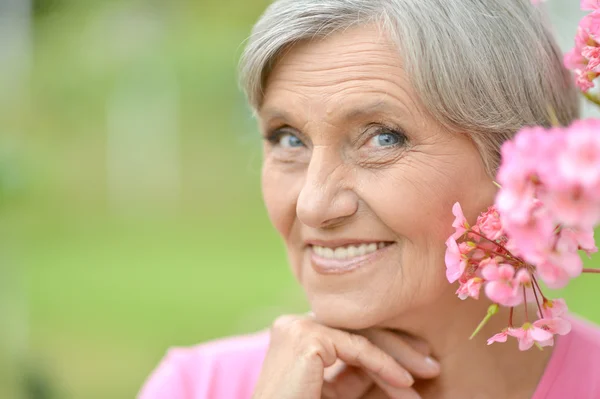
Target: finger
<point>349,383</point>
<point>356,350</point>
<point>418,344</point>
<point>404,393</point>
<point>414,361</point>
<point>392,391</point>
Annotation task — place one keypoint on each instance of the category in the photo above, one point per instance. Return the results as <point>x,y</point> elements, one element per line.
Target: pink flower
<point>572,206</point>
<point>573,240</point>
<point>528,334</point>
<point>470,289</point>
<point>455,261</point>
<point>460,222</point>
<point>583,59</point>
<point>533,239</point>
<point>521,159</point>
<point>592,55</point>
<point>500,337</point>
<point>553,308</point>
<point>489,224</point>
<point>553,275</point>
<point>583,80</point>
<point>553,326</point>
<point>574,59</point>
<point>501,287</point>
<point>579,159</point>
<point>590,4</point>
<point>591,26</point>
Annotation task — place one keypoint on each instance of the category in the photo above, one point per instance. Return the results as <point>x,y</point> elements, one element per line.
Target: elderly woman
<point>377,116</point>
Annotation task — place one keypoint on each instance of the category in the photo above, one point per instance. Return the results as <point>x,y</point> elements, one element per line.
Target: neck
<point>471,368</point>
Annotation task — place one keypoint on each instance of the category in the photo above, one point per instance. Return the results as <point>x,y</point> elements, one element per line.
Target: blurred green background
<point>130,211</point>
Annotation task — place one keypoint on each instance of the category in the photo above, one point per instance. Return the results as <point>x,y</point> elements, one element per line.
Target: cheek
<point>414,203</point>
<point>280,194</point>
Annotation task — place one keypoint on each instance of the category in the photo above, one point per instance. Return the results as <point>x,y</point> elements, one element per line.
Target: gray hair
<point>482,67</point>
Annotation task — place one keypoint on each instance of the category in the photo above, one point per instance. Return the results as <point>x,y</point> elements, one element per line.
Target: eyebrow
<point>354,113</point>
<point>366,110</point>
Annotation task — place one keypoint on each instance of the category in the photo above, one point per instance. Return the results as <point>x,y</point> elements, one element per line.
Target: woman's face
<point>360,181</point>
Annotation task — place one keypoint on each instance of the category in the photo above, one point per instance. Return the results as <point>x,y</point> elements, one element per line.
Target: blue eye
<point>387,139</point>
<point>288,140</point>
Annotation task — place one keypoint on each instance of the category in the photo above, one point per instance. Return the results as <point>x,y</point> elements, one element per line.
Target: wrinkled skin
<point>340,97</point>
<point>351,153</point>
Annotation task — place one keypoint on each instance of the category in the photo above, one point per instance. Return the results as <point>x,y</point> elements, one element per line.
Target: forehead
<point>358,66</point>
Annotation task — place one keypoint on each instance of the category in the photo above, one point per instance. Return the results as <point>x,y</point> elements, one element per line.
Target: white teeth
<point>352,251</point>
<point>362,250</point>
<point>340,253</point>
<point>347,252</point>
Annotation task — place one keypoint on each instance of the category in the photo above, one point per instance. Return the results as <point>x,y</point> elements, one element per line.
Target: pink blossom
<point>521,158</point>
<point>489,224</point>
<point>553,275</point>
<point>572,206</point>
<point>574,60</point>
<point>584,80</point>
<point>575,239</point>
<point>534,238</point>
<point>470,289</point>
<point>591,26</point>
<point>553,326</point>
<point>460,222</point>
<point>579,159</point>
<point>590,4</point>
<point>528,334</point>
<point>592,55</point>
<point>501,287</point>
<point>500,337</point>
<point>584,58</point>
<point>553,308</point>
<point>455,261</point>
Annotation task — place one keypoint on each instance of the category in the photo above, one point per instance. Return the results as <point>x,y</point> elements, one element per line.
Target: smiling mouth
<point>343,259</point>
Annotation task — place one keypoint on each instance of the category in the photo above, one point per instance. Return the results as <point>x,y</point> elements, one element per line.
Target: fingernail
<point>409,378</point>
<point>432,363</point>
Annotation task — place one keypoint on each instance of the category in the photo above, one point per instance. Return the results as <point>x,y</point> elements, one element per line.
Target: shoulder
<point>574,365</point>
<point>224,368</point>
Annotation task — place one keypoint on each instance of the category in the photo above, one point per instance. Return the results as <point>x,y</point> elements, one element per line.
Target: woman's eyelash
<point>383,129</point>
<point>274,136</point>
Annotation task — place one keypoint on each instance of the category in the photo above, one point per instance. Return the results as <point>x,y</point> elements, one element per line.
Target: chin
<point>346,314</point>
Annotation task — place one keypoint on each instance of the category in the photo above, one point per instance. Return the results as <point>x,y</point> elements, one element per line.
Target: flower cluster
<point>544,214</point>
<point>584,58</point>
<point>550,197</point>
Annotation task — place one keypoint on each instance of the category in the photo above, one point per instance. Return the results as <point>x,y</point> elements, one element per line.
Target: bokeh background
<point>130,211</point>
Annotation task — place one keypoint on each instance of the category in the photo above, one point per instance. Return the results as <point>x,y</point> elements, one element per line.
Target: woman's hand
<point>302,352</point>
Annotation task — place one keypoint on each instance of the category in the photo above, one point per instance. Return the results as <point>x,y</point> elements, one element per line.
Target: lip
<point>342,266</point>
<point>342,242</point>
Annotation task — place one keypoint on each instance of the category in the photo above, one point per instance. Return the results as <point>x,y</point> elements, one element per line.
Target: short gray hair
<point>482,67</point>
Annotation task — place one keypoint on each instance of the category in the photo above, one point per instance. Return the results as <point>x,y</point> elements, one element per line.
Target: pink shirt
<point>229,368</point>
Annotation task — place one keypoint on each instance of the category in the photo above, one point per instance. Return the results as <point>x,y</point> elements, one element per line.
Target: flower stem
<point>492,241</point>
<point>525,302</point>
<point>592,98</point>
<point>492,310</point>
<point>537,301</point>
<point>510,317</point>
<point>591,270</point>
<point>538,287</point>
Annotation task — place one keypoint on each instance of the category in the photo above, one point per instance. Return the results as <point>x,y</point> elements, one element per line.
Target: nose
<point>327,197</point>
